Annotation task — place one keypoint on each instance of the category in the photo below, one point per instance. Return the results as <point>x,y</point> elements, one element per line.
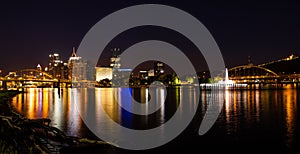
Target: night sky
<point>31,30</point>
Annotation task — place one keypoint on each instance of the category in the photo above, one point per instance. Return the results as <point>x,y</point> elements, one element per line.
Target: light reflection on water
<point>242,110</point>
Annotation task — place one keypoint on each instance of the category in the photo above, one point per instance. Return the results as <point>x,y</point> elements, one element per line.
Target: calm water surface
<point>254,120</point>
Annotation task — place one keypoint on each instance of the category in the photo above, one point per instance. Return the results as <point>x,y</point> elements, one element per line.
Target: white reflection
<point>162,102</point>
<point>227,105</point>
<point>73,123</point>
<point>58,106</point>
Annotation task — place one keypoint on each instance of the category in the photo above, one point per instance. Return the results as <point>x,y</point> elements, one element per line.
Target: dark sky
<point>30,30</point>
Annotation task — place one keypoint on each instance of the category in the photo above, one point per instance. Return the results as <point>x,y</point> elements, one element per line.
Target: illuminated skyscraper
<point>115,59</point>
<point>158,68</point>
<point>77,67</point>
<point>57,68</point>
<point>54,65</point>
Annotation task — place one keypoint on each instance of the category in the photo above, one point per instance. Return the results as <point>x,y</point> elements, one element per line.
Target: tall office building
<point>115,59</point>
<point>158,68</point>
<point>77,68</point>
<point>53,63</point>
<point>56,67</point>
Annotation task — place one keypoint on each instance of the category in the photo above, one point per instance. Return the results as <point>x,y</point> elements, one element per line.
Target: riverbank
<point>22,135</point>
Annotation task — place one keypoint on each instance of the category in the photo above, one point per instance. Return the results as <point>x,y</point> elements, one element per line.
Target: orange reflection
<point>235,105</point>
<point>108,102</point>
<point>17,102</point>
<point>31,104</point>
<point>290,109</point>
<point>45,103</point>
<point>257,105</point>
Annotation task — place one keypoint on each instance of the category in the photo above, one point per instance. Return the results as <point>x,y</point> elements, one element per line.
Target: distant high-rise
<point>158,68</point>
<point>77,67</point>
<point>115,59</point>
<point>56,67</point>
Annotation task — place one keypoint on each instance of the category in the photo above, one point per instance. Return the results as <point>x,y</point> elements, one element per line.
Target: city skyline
<point>146,66</point>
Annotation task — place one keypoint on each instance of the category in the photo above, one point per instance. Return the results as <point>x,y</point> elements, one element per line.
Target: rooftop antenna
<point>74,52</point>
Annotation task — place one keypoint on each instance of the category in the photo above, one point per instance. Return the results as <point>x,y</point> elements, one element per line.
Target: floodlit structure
<point>103,73</point>
<point>226,83</point>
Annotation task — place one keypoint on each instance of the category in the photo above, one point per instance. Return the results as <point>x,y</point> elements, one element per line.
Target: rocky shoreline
<point>22,135</point>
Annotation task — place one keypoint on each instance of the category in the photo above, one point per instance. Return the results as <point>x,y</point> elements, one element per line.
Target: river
<point>254,120</point>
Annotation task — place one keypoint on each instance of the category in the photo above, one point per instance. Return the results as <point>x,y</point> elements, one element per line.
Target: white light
<point>124,70</point>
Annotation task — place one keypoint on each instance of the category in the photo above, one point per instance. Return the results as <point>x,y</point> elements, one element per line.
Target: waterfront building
<point>57,68</point>
<point>158,68</point>
<point>103,73</point>
<point>77,67</point>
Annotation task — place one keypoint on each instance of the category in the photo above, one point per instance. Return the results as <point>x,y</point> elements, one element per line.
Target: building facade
<point>57,68</point>
<point>77,68</point>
